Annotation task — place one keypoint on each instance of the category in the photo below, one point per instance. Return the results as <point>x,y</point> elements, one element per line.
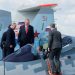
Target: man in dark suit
<point>10,39</point>
<point>3,43</point>
<point>26,34</point>
<point>55,46</point>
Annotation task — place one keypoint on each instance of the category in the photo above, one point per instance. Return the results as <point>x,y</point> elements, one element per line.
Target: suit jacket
<point>10,38</point>
<point>55,40</point>
<point>24,38</point>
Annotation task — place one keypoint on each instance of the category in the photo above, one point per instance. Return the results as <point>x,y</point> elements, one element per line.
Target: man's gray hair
<point>52,25</point>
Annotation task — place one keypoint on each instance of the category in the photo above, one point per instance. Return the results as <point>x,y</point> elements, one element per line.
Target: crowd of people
<point>26,36</point>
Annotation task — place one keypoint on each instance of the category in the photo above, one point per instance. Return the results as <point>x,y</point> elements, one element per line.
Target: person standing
<point>10,39</point>
<point>55,47</point>
<point>26,34</point>
<point>3,43</point>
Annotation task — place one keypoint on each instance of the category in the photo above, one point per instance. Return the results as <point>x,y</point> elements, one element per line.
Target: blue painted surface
<point>0,54</point>
<point>44,18</point>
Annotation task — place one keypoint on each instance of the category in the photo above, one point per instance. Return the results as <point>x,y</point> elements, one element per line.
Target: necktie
<point>26,29</point>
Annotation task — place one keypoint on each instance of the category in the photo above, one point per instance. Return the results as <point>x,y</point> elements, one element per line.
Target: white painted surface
<point>25,68</point>
<point>1,68</point>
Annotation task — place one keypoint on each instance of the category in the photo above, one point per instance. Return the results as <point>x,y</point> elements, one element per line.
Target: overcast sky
<point>65,14</point>
<point>66,8</point>
<point>13,4</point>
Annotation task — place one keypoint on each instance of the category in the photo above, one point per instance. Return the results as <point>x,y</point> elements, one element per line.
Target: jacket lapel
<point>24,30</point>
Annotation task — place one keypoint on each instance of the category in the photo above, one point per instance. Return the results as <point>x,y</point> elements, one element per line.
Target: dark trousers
<point>4,53</point>
<point>7,51</point>
<point>10,50</point>
<point>22,44</point>
<point>54,60</point>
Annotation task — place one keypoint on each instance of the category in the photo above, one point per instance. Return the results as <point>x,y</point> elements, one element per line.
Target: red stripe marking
<point>47,5</point>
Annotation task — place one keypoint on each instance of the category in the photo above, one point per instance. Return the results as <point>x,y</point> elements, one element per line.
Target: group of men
<point>26,36</point>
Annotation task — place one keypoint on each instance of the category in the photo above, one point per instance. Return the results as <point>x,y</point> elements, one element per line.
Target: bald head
<point>52,25</point>
<point>27,22</point>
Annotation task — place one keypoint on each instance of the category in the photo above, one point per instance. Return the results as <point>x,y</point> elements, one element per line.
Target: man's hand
<point>11,46</point>
<point>32,44</point>
<point>49,49</point>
